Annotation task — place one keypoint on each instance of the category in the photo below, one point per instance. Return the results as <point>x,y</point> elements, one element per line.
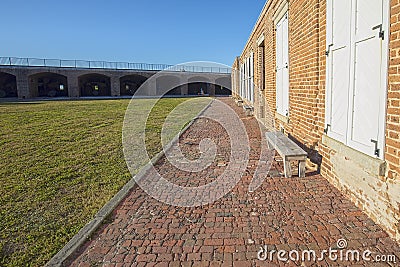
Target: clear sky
<point>151,31</point>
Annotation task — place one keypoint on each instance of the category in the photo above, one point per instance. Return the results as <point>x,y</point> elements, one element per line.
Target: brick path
<point>283,213</point>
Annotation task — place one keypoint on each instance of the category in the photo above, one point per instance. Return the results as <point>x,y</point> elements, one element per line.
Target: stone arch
<point>168,85</point>
<point>222,86</point>
<point>48,84</point>
<point>8,85</point>
<point>94,84</point>
<point>129,84</point>
<point>199,85</point>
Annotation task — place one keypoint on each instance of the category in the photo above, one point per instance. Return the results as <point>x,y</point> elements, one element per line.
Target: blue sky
<point>169,32</point>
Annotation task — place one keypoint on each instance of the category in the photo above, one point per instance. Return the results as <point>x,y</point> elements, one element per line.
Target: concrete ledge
<point>282,118</point>
<point>89,229</point>
<point>373,166</point>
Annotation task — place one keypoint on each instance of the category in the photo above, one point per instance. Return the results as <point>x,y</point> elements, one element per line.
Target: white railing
<point>85,64</point>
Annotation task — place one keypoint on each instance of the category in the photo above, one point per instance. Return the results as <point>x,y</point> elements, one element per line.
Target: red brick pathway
<point>284,214</point>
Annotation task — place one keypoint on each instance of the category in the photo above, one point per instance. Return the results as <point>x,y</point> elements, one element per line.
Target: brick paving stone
<point>283,213</point>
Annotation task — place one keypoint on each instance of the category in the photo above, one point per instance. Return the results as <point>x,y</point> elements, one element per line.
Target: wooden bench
<point>289,151</point>
<point>248,110</point>
<point>239,102</point>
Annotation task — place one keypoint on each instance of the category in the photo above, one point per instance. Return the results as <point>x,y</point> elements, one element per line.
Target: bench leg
<point>302,168</point>
<point>269,147</point>
<point>287,168</point>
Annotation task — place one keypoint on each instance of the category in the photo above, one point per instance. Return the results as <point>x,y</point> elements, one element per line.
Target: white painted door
<point>282,66</point>
<point>356,72</point>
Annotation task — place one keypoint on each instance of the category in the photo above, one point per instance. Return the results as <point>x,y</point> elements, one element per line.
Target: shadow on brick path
<point>284,214</point>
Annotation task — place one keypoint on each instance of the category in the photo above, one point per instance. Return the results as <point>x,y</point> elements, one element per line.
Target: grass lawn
<point>60,162</point>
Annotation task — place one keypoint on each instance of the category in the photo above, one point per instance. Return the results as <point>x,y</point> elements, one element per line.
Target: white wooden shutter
<point>357,72</point>
<point>245,78</point>
<point>285,66</point>
<point>279,78</point>
<point>329,43</point>
<point>248,79</point>
<point>282,66</point>
<point>252,77</point>
<point>241,80</point>
<point>338,69</point>
<point>367,86</point>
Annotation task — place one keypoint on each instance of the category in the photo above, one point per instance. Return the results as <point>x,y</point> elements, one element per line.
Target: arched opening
<point>48,84</point>
<point>94,85</point>
<point>129,84</point>
<point>199,86</point>
<point>168,85</point>
<point>8,85</point>
<point>222,86</point>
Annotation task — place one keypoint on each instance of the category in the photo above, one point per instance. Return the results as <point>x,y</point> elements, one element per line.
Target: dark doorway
<point>94,85</point>
<point>222,86</point>
<point>175,91</point>
<point>198,88</point>
<point>48,84</point>
<point>220,90</point>
<point>130,84</point>
<point>8,85</point>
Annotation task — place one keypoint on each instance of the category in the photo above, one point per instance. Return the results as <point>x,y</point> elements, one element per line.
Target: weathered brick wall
<point>270,64</point>
<point>372,184</point>
<point>264,27</point>
<point>392,153</point>
<point>235,78</point>
<point>306,67</point>
<point>307,61</point>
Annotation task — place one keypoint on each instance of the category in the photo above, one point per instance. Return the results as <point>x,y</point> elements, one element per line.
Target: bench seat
<point>248,109</point>
<point>289,151</point>
<point>239,102</point>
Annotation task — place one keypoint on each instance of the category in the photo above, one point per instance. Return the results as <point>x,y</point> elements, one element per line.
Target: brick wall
<point>266,28</point>
<point>235,78</point>
<point>378,194</point>
<point>392,153</point>
<point>306,72</point>
<point>270,64</point>
<point>374,188</point>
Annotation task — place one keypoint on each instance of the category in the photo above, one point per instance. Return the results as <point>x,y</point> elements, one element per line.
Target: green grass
<point>60,162</point>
